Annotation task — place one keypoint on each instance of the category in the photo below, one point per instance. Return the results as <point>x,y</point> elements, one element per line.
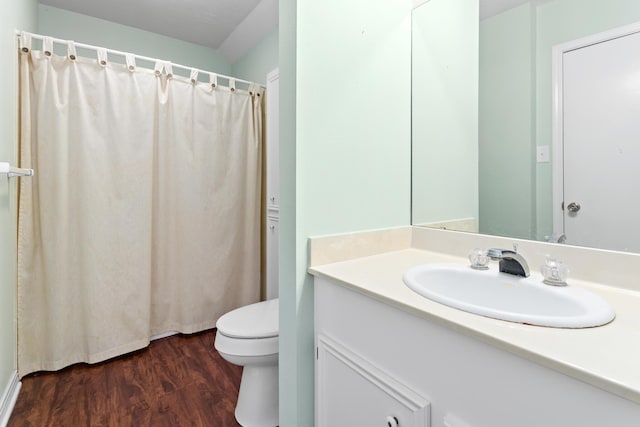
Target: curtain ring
<point>232,85</point>
<point>213,80</point>
<point>102,56</point>
<point>131,62</point>
<point>169,70</point>
<point>47,46</point>
<point>255,89</point>
<point>157,70</point>
<point>71,51</point>
<point>194,76</point>
<point>25,42</point>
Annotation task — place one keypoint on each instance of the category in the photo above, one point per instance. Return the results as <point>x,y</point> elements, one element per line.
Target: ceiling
<point>231,26</point>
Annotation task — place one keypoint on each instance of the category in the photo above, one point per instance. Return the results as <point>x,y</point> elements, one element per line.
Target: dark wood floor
<point>177,381</point>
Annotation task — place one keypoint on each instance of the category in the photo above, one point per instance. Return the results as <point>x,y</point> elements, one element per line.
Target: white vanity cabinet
<point>375,362</point>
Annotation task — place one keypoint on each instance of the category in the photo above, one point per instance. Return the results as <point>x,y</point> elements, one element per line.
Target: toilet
<point>248,337</point>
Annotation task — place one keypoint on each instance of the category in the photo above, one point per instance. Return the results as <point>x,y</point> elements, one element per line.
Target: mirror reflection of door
<point>601,143</point>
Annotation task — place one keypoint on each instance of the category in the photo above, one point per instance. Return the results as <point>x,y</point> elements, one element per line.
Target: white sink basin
<point>508,297</point>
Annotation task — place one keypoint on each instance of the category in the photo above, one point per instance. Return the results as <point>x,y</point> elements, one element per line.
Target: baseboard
<point>9,398</point>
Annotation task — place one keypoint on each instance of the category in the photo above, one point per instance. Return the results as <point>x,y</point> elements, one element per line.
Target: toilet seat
<point>249,331</point>
<point>246,347</point>
<point>259,320</point>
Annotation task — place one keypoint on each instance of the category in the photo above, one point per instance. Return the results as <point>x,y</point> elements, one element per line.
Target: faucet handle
<point>479,259</point>
<point>555,272</point>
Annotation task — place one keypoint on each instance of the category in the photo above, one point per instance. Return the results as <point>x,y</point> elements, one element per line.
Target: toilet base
<point>258,398</point>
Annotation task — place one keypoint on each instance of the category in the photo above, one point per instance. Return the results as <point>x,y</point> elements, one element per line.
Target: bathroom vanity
<point>386,356</point>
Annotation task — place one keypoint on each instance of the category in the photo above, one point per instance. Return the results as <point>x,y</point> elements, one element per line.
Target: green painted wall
<point>345,152</point>
<point>353,103</point>
<point>292,332</point>
<point>259,60</point>
<point>445,111</point>
<point>86,29</point>
<point>16,14</point>
<point>507,124</point>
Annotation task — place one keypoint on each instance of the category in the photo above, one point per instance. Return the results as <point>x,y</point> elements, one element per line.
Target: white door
<point>601,124</point>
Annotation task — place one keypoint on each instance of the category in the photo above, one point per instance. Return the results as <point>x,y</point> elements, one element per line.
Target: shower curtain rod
<point>124,54</point>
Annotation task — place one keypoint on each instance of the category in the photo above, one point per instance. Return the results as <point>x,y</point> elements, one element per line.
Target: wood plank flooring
<point>177,381</point>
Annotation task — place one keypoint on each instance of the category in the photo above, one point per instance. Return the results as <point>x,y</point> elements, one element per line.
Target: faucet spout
<point>511,262</point>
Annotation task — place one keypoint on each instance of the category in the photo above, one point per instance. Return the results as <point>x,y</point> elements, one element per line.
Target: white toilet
<point>248,336</point>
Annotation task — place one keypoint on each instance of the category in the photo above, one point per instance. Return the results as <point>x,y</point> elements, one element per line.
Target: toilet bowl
<point>248,337</point>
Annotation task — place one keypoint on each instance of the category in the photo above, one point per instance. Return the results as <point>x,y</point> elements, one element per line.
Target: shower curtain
<point>143,216</point>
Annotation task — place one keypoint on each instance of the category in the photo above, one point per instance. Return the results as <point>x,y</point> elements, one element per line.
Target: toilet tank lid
<point>259,320</point>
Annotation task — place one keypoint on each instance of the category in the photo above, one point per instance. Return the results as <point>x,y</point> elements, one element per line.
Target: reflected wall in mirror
<point>483,122</point>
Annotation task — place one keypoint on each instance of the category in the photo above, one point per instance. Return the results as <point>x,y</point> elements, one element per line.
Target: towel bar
<point>10,171</point>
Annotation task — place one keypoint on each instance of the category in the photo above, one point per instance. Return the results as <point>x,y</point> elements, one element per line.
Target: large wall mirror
<point>526,119</point>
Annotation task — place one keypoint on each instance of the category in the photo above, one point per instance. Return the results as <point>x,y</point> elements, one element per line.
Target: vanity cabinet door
<point>353,392</point>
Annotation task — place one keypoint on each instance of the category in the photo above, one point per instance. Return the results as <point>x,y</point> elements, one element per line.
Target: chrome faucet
<point>510,261</point>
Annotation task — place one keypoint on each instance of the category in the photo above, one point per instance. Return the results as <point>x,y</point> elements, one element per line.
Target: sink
<point>508,297</point>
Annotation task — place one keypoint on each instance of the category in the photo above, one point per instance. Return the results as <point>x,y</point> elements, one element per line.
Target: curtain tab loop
<point>157,70</point>
<point>169,70</point>
<point>25,42</point>
<point>71,51</point>
<point>232,85</point>
<point>47,46</point>
<point>194,76</point>
<point>102,56</point>
<point>130,61</point>
<point>213,80</point>
<point>256,89</point>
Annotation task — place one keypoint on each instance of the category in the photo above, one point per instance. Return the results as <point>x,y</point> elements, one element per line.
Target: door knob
<point>573,207</point>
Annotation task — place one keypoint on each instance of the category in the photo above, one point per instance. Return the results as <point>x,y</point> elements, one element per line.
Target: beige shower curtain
<point>143,216</point>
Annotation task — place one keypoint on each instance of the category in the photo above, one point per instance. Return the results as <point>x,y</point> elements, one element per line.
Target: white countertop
<point>607,357</point>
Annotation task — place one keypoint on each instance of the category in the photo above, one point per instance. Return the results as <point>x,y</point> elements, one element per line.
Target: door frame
<point>557,76</point>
